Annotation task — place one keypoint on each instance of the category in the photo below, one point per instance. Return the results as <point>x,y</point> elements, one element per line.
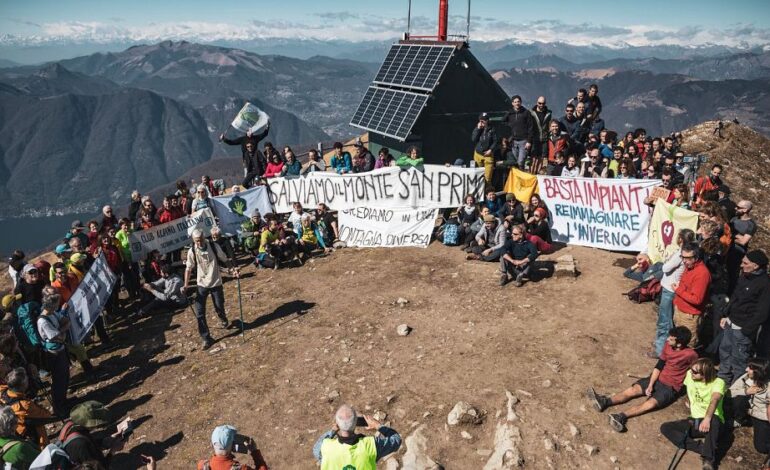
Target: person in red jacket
<point>168,212</point>
<point>691,292</point>
<point>707,183</point>
<point>223,440</point>
<point>558,141</point>
<point>274,167</point>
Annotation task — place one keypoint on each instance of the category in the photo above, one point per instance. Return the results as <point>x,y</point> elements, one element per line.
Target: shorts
<point>662,393</point>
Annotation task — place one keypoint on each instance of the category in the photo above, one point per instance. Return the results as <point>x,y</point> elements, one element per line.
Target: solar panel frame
<point>416,66</point>
<point>389,112</point>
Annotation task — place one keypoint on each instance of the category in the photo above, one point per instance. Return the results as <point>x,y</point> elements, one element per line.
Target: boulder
<point>506,453</point>
<point>464,413</point>
<point>415,457</point>
<point>403,329</point>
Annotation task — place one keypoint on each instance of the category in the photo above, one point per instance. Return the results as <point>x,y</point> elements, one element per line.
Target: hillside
<point>659,103</point>
<point>745,155</point>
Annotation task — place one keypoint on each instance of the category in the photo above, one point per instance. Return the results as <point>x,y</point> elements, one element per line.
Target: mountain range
<point>90,129</point>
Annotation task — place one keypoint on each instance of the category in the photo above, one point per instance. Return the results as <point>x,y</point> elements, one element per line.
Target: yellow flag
<point>521,184</point>
<point>667,220</point>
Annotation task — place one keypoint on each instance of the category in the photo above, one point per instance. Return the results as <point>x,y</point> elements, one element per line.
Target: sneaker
<point>519,281</point>
<point>224,323</point>
<point>503,279</point>
<point>599,402</point>
<point>618,422</point>
<point>207,343</point>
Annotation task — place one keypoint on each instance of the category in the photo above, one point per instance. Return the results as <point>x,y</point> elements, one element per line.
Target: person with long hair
<point>751,403</point>
<point>681,196</point>
<point>705,396</point>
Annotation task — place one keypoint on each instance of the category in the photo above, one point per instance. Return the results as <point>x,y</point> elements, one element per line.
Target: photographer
<point>341,447</point>
<point>223,439</point>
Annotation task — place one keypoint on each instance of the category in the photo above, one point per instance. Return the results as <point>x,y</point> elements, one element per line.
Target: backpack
<point>647,291</point>
<point>451,234</point>
<point>8,446</point>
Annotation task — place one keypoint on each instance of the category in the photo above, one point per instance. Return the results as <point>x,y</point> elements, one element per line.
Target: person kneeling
<point>517,258</point>
<point>167,292</point>
<point>662,387</point>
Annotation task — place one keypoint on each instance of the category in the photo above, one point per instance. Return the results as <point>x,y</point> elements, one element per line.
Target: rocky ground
<point>516,362</point>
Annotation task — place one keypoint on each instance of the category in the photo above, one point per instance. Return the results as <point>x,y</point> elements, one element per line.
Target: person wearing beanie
<point>747,311</point>
<point>223,439</point>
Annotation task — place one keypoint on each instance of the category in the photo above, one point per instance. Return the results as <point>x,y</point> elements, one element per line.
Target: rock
<point>549,444</point>
<point>401,301</point>
<point>415,457</point>
<point>565,270</point>
<point>573,430</point>
<point>333,395</point>
<point>614,459</point>
<point>403,329</point>
<point>484,452</point>
<point>463,413</point>
<point>592,450</point>
<point>739,459</point>
<point>506,453</point>
<point>512,400</point>
<point>380,416</point>
<point>390,398</point>
<point>466,435</point>
<point>546,383</point>
<point>524,392</point>
<point>566,259</point>
<point>346,359</point>
<point>391,462</point>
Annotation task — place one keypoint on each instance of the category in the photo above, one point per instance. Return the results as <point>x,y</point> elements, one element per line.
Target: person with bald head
<point>542,117</point>
<point>342,447</point>
<point>742,228</point>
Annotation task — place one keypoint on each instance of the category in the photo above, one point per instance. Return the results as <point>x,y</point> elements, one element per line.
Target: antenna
<point>409,20</point>
<point>468,23</point>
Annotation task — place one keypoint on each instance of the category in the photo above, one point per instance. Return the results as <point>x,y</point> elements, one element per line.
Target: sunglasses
<point>540,104</point>
<point>696,372</point>
<point>60,273</point>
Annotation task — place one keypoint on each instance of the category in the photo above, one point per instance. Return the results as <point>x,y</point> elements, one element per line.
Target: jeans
<point>684,432</point>
<point>218,298</point>
<point>514,271</point>
<point>734,353</point>
<point>519,148</point>
<point>665,319</point>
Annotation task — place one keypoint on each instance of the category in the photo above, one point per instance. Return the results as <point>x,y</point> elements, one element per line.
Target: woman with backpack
<point>52,325</point>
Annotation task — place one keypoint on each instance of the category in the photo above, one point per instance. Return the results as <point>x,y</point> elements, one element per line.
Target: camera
<point>241,444</point>
<point>694,159</point>
<point>361,422</point>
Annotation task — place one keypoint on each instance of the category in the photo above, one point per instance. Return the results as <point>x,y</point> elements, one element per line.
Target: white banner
<point>375,227</point>
<point>250,118</point>
<point>598,212</point>
<point>88,300</point>
<point>438,186</point>
<point>171,235</point>
<point>232,209</point>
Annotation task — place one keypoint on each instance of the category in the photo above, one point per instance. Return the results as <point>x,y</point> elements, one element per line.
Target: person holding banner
<point>52,326</point>
<point>254,162</point>
<point>206,257</point>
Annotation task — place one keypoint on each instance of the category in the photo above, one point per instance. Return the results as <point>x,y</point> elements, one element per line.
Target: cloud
<point>353,27</point>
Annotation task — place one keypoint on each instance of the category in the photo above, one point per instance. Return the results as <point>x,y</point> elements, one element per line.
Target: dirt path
<point>330,327</point>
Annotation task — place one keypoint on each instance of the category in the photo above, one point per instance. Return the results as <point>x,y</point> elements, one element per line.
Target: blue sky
<point>637,22</point>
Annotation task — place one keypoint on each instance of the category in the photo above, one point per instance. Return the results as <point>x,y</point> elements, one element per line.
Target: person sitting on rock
<point>662,387</point>
<point>341,447</point>
<point>517,257</point>
<point>222,440</point>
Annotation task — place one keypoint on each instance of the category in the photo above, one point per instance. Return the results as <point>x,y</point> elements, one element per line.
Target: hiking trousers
<point>684,434</point>
<point>218,298</point>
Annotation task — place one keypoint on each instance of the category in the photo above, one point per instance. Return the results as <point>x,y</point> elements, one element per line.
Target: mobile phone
<point>361,422</point>
<point>240,444</point>
<point>125,428</point>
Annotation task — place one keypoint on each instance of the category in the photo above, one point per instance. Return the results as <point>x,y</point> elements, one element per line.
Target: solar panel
<point>389,112</point>
<point>414,66</point>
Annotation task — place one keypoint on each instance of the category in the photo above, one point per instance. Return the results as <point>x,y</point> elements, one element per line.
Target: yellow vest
<point>360,456</point>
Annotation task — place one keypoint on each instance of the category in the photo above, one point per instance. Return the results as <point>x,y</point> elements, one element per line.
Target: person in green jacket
<point>14,449</point>
<point>411,159</point>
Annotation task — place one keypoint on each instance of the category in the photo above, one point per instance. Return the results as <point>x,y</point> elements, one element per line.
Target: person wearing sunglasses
<point>705,394</point>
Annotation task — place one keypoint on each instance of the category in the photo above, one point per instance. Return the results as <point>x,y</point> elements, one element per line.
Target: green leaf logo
<point>237,205</point>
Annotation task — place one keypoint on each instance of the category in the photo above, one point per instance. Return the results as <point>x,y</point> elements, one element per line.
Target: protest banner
<point>379,227</point>
<point>667,220</point>
<point>521,184</point>
<point>598,212</point>
<point>88,300</point>
<point>437,186</point>
<point>250,118</point>
<point>170,236</point>
<point>232,209</point>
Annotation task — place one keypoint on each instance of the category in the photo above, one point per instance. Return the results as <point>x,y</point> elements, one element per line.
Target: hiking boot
<point>503,279</point>
<point>207,342</point>
<point>472,257</point>
<point>706,464</point>
<point>618,422</point>
<point>519,281</point>
<point>599,402</point>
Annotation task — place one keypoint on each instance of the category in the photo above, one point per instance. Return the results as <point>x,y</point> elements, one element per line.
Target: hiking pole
<point>240,303</point>
<point>677,456</point>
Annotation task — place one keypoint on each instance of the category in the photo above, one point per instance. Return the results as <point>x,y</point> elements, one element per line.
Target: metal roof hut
<point>429,92</point>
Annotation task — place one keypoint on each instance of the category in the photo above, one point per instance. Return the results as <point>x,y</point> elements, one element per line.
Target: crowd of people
<point>712,337</point>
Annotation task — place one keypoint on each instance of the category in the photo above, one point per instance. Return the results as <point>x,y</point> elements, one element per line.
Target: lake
<point>32,234</point>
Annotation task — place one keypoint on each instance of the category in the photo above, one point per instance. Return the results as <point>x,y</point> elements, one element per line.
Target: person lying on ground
<point>662,387</point>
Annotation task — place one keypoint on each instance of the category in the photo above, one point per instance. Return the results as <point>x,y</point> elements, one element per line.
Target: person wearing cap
<point>31,417</point>
<point>17,452</point>
<point>489,240</point>
<point>77,436</point>
<point>512,208</point>
<point>746,312</point>
<point>76,230</point>
<point>341,161</point>
<point>485,141</point>
<point>341,447</point>
<point>30,285</point>
<point>78,266</point>
<point>223,440</point>
<point>518,255</point>
<point>251,230</point>
<point>167,292</point>
<point>15,264</point>
<point>10,302</point>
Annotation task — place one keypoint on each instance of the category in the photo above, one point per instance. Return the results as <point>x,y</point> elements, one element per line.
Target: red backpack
<point>647,291</point>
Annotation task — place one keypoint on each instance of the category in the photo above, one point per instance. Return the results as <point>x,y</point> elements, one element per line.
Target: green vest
<point>360,456</point>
